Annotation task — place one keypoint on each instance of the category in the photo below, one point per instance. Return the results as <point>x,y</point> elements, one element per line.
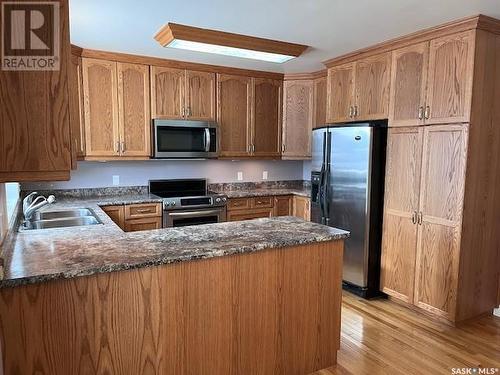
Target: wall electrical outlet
<point>240,176</point>
<point>264,175</point>
<point>116,180</point>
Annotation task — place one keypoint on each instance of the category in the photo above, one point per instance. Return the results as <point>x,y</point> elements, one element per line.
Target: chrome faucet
<point>30,205</point>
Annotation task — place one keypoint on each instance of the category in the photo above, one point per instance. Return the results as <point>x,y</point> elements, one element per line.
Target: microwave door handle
<point>207,140</point>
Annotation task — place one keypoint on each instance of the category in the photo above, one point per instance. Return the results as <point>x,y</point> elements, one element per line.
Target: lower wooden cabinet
<point>258,207</point>
<point>135,217</point>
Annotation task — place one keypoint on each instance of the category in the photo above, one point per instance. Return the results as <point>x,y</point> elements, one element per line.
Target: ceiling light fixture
<point>211,41</point>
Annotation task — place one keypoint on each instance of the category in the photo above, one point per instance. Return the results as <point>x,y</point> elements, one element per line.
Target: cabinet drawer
<point>147,223</point>
<point>239,204</point>
<point>135,211</point>
<point>261,202</point>
<point>249,214</point>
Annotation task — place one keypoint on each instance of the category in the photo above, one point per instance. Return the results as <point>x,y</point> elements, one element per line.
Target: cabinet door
<point>283,206</point>
<point>302,207</point>
<point>408,85</point>
<point>116,213</point>
<point>319,100</point>
<point>401,202</point>
<point>100,107</point>
<point>449,89</point>
<point>147,223</point>
<point>267,117</point>
<point>441,203</point>
<point>297,119</point>
<point>76,107</point>
<point>133,109</point>
<point>372,83</point>
<point>340,93</point>
<point>234,114</point>
<point>200,96</point>
<point>167,92</point>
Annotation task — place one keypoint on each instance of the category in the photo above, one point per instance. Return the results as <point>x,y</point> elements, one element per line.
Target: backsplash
<point>138,173</point>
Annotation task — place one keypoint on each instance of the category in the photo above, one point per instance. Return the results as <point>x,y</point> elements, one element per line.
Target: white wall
<point>134,173</point>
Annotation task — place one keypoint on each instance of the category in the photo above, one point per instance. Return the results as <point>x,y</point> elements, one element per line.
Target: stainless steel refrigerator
<point>347,178</point>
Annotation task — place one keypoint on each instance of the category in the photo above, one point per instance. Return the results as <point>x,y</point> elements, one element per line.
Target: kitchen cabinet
<point>182,94</point>
<point>100,90</point>
<point>297,119</point>
<point>401,206</point>
<point>267,117</point>
<point>234,114</point>
<point>340,93</point>
<point>134,117</point>
<point>451,71</point>
<point>283,205</point>
<point>319,100</point>
<point>117,115</point>
<point>76,108</point>
<point>359,91</point>
<point>302,207</point>
<point>35,138</point>
<point>408,85</point>
<point>136,217</point>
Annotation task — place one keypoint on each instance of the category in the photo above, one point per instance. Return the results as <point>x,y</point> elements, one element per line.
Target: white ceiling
<point>330,27</point>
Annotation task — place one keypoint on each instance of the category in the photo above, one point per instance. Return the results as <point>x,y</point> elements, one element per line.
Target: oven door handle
<point>207,139</point>
<point>195,213</point>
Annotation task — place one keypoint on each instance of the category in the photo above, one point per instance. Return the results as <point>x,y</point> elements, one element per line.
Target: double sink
<point>61,219</point>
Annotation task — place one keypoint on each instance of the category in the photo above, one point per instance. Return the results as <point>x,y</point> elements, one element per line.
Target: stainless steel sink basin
<point>62,219</point>
<point>50,215</point>
<point>63,223</point>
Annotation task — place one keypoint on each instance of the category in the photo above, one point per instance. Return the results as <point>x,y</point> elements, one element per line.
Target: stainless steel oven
<point>185,139</point>
<point>182,218</point>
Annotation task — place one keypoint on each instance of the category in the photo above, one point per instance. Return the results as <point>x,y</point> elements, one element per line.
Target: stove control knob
<point>224,199</point>
<point>172,203</point>
<point>167,204</point>
<point>217,200</point>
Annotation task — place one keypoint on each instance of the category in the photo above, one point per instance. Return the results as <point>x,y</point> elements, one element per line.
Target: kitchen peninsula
<point>260,296</point>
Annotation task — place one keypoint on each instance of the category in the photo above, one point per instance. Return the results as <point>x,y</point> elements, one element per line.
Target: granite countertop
<point>41,255</point>
<point>248,193</point>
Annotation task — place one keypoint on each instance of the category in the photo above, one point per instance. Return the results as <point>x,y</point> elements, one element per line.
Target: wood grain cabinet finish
<point>200,96</point>
<point>283,205</point>
<point>35,139</point>
<point>116,213</point>
<point>268,206</point>
<point>372,83</point>
<point>450,77</point>
<point>146,223</point>
<point>182,94</point>
<point>401,206</point>
<point>340,93</point>
<point>76,106</point>
<point>100,89</point>
<point>136,217</point>
<point>408,85</point>
<point>319,113</point>
<point>256,213</point>
<point>134,110</point>
<point>302,207</point>
<point>167,93</point>
<point>267,95</point>
<point>297,119</point>
<point>142,210</point>
<point>234,114</point>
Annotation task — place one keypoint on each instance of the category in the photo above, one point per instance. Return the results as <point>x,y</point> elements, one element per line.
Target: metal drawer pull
<point>144,210</point>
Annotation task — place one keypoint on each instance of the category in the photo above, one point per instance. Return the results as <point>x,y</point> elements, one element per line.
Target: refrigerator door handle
<point>326,177</point>
<point>322,182</point>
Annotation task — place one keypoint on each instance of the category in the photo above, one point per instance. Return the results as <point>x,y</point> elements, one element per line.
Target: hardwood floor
<point>381,337</point>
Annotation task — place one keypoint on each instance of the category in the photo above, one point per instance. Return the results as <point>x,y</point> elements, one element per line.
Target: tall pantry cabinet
<point>442,202</point>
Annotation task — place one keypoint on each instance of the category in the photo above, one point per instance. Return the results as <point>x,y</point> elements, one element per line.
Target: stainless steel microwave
<point>185,139</point>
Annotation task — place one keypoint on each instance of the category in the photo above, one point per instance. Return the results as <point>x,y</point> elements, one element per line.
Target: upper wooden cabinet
<point>319,100</point>
<point>234,114</point>
<point>371,83</point>
<point>340,93</point>
<point>134,109</point>
<point>297,119</point>
<point>100,90</point>
<point>35,141</point>
<point>451,71</point>
<point>359,91</point>
<point>182,94</point>
<point>267,117</point>
<point>116,106</point>
<point>408,85</point>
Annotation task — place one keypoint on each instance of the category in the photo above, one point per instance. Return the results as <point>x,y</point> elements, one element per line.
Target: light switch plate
<point>240,176</point>
<point>116,180</point>
<point>264,175</point>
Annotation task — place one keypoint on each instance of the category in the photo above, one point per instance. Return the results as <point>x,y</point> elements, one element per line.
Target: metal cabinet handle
<point>420,218</point>
<point>427,112</point>
<point>143,210</point>
<point>355,111</point>
<point>283,147</point>
<point>123,147</point>
<point>253,148</point>
<point>420,112</point>
<point>117,149</point>
<point>414,217</point>
<point>351,111</point>
<point>189,112</point>
<point>183,112</point>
